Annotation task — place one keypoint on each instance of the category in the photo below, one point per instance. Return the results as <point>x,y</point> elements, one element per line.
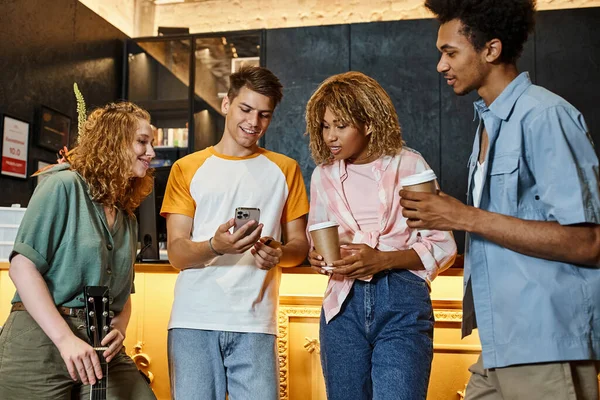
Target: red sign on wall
<point>15,145</point>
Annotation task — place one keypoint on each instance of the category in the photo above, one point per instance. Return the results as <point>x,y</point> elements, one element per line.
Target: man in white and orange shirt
<point>222,331</point>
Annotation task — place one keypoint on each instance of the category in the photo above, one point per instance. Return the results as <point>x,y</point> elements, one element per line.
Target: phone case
<point>243,215</point>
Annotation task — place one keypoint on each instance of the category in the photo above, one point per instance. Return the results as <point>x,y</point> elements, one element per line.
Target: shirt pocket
<point>504,184</point>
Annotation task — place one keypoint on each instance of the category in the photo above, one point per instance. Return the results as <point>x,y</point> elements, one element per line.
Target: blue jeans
<point>205,365</point>
<point>380,345</point>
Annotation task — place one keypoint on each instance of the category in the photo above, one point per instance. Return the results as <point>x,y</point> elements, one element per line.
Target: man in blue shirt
<point>532,256</point>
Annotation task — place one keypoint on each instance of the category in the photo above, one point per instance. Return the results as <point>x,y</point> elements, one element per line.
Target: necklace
<point>366,159</point>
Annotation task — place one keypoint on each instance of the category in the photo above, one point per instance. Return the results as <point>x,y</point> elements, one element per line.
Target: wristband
<point>212,248</point>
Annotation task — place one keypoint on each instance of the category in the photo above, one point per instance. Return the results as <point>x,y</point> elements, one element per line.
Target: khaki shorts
<point>575,380</point>
<point>31,366</point>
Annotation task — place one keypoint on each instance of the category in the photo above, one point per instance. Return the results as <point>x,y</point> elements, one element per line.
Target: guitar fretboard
<point>97,318</point>
<point>98,390</point>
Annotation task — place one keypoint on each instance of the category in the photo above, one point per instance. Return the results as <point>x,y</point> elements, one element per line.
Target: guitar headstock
<point>97,313</point>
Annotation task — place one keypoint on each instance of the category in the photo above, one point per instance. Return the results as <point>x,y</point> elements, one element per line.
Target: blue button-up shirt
<point>541,166</point>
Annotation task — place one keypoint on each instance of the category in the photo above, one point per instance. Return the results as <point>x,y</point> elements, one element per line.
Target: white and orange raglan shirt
<point>230,293</point>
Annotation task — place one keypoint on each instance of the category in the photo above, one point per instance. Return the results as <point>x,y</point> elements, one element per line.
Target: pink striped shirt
<point>328,202</point>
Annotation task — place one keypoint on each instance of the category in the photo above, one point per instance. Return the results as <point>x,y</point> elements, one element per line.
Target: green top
<point>65,234</point>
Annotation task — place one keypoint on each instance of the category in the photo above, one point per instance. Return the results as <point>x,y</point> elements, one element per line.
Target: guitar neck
<point>98,390</point>
<point>98,317</point>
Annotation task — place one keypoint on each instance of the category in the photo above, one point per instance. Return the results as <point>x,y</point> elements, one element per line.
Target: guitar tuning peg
<point>92,313</point>
<point>105,314</point>
<point>104,300</point>
<point>90,299</point>
<point>105,328</point>
<point>92,328</point>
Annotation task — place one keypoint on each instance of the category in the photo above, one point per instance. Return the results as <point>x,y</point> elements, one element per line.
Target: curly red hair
<point>104,154</point>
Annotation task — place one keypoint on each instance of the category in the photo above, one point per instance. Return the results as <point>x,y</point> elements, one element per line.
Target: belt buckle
<point>77,312</point>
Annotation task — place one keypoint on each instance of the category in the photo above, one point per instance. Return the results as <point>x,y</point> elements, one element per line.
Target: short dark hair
<point>511,21</point>
<point>257,79</point>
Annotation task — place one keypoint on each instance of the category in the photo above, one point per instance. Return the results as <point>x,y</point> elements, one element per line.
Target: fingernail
<point>320,258</point>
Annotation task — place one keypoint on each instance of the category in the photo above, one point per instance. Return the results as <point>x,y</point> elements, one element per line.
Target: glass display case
<point>158,74</point>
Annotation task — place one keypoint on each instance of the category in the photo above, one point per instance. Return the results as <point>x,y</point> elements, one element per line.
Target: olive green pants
<point>31,366</point>
<point>575,380</point>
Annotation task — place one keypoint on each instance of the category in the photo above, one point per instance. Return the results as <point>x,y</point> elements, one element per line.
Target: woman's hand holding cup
<point>326,249</point>
<point>317,263</point>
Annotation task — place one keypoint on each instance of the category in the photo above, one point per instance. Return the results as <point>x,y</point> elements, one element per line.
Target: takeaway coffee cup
<point>421,182</point>
<point>326,240</point>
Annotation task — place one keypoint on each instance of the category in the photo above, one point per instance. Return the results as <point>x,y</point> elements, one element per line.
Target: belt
<point>71,312</point>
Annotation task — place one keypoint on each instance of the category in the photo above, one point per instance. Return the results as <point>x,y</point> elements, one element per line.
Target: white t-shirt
<point>478,183</point>
<point>231,293</point>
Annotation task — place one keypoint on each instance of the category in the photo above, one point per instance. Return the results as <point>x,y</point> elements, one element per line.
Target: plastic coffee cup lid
<point>425,176</point>
<point>322,225</point>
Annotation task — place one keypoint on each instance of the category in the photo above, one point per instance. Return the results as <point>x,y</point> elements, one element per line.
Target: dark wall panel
<point>45,47</point>
<point>568,60</point>
<point>386,51</point>
<point>302,58</point>
<point>457,133</point>
<point>402,56</point>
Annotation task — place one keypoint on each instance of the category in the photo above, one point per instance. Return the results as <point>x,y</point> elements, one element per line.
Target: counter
<point>301,294</point>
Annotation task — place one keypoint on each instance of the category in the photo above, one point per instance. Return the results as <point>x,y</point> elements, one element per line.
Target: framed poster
<point>15,146</point>
<point>54,128</point>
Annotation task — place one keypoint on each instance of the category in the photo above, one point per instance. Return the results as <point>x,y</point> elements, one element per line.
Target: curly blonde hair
<point>104,154</point>
<point>355,99</point>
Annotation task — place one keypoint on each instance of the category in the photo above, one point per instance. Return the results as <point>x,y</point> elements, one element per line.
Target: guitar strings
<point>98,391</point>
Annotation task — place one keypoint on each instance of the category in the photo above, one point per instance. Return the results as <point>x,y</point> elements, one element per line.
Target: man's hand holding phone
<point>267,253</point>
<point>238,242</point>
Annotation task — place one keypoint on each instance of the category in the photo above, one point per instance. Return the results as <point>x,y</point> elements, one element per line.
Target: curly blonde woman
<point>79,229</point>
<point>377,321</point>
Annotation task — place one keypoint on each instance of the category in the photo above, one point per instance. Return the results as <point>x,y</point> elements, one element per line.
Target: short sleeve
<point>44,226</point>
<point>178,199</point>
<point>296,204</point>
<point>565,165</point>
<point>318,207</point>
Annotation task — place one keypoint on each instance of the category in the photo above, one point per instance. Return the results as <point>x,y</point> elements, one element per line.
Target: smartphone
<point>273,243</point>
<point>243,215</point>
